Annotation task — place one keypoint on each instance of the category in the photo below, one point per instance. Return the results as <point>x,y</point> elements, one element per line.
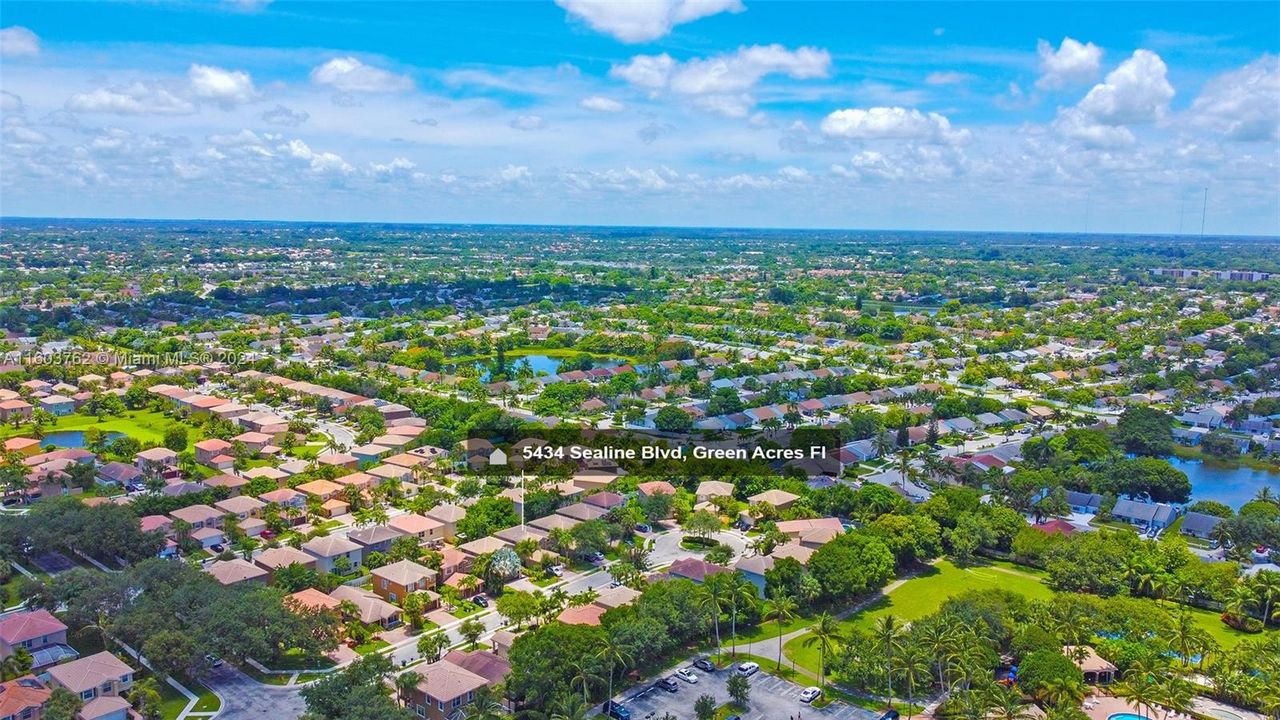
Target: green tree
<point>826,635</point>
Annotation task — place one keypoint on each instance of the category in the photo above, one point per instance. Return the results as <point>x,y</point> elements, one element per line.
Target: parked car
<point>668,684</point>
<point>481,600</point>
<point>213,661</point>
<point>217,547</point>
<point>687,675</point>
<point>557,570</point>
<point>615,711</point>
<point>810,694</point>
<point>704,664</point>
<point>596,556</point>
<point>644,528</point>
<point>891,715</point>
<point>748,668</point>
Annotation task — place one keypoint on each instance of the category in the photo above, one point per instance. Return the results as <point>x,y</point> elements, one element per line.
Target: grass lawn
<point>766,630</point>
<point>147,426</point>
<point>924,595</point>
<point>295,659</point>
<point>10,589</point>
<point>372,646</point>
<point>1224,634</point>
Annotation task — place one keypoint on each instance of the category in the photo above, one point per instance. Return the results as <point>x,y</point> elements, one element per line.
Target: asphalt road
<point>244,698</point>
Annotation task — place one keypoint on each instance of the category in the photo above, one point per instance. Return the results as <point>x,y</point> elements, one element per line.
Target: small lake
<point>1233,486</point>
<point>71,438</point>
<point>541,364</point>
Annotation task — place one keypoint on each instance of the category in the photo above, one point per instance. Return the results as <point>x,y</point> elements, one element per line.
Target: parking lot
<point>772,698</point>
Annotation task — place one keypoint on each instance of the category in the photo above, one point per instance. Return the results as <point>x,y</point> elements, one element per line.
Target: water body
<point>541,364</point>
<point>71,438</point>
<point>1233,486</point>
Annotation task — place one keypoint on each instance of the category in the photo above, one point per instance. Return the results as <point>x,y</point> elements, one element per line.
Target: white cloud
<point>320,162</point>
<point>891,123</point>
<point>1137,91</point>
<point>529,122</point>
<point>348,74</point>
<point>137,98</point>
<point>791,172</point>
<point>1078,125</point>
<point>514,173</point>
<point>225,87</point>
<point>722,83</point>
<point>17,41</point>
<point>634,21</point>
<point>1073,63</point>
<point>10,103</point>
<point>947,78</point>
<point>1242,104</point>
<point>600,103</point>
<point>281,115</point>
<point>397,167</point>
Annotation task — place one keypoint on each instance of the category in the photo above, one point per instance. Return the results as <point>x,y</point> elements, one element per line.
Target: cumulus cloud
<point>281,115</point>
<point>1138,91</point>
<point>319,162</point>
<point>528,122</point>
<point>1242,104</point>
<point>349,75</point>
<point>1072,63</point>
<point>137,98</point>
<point>722,83</point>
<point>600,103</point>
<point>514,173</point>
<point>17,41</point>
<point>633,21</point>
<point>225,87</point>
<point>891,123</point>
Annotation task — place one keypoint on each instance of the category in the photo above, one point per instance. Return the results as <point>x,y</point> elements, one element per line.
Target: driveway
<point>772,698</point>
<point>244,698</point>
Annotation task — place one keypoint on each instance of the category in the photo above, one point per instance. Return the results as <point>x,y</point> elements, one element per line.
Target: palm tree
<point>914,664</point>
<point>16,665</point>
<point>782,610</point>
<point>888,634</point>
<point>714,594</point>
<point>584,675</point>
<point>1265,495</point>
<point>1173,693</point>
<point>406,683</point>
<point>739,590</point>
<point>145,697</point>
<point>572,709</point>
<point>1267,586</point>
<point>937,639</point>
<point>825,633</point>
<point>614,653</point>
<point>432,646</point>
<point>1240,601</point>
<point>1139,687</point>
<point>485,705</point>
<point>1058,691</point>
<point>1007,704</point>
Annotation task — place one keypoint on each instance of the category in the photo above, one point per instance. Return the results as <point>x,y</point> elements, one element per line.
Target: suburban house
<point>1084,502</point>
<point>273,559</point>
<point>10,409</point>
<point>444,688</point>
<point>39,633</point>
<point>98,675</point>
<point>1147,515</point>
<point>214,453</point>
<point>58,405</point>
<point>118,473</point>
<point>155,460</point>
<point>1199,525</point>
<point>199,516</point>
<point>396,581</point>
<point>236,570</point>
<point>448,516</point>
<point>327,550</point>
<point>23,699</point>
<point>370,609</point>
<point>375,539</point>
<point>423,528</point>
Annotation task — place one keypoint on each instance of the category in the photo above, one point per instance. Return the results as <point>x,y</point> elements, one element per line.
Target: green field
<point>147,426</point>
<point>924,595</point>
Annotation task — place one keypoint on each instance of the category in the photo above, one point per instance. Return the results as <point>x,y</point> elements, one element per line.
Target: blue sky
<point>1006,116</point>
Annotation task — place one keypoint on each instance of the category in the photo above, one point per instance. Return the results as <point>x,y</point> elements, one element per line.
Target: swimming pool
<point>1126,716</point>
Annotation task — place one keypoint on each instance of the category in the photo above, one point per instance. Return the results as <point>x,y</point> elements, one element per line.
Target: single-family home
<point>1146,515</point>
<point>98,675</point>
<point>377,538</point>
<point>236,570</point>
<point>1198,524</point>
<point>396,581</point>
<point>39,633</point>
<point>444,689</point>
<point>327,550</point>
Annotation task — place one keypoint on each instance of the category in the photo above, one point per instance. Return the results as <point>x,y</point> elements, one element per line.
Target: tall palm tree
<point>614,654</point>
<point>485,705</point>
<point>826,634</point>
<point>938,639</point>
<point>740,591</point>
<point>913,661</point>
<point>1173,693</point>
<point>1266,585</point>
<point>714,594</point>
<point>1240,601</point>
<point>572,709</point>
<point>888,633</point>
<point>782,610</point>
